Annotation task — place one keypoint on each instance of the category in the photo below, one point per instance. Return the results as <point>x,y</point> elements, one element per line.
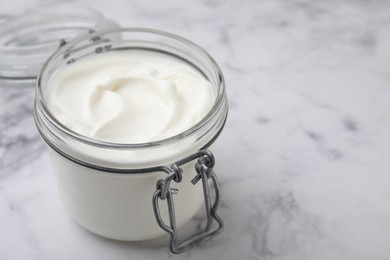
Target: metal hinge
<point>204,168</point>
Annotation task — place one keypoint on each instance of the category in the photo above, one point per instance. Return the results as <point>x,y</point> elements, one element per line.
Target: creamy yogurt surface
<point>130,96</point>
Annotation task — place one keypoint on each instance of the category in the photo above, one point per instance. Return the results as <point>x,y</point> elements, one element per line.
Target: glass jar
<point>126,191</point>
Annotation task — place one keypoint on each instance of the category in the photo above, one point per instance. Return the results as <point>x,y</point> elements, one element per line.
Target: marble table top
<point>304,159</point>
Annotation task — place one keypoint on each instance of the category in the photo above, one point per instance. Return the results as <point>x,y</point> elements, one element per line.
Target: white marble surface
<point>304,160</point>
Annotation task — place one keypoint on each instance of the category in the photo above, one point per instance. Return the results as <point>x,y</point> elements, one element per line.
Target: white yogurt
<point>129,96</point>
<point>126,97</point>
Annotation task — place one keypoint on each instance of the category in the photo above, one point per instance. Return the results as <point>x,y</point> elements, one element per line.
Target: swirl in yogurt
<point>129,96</point>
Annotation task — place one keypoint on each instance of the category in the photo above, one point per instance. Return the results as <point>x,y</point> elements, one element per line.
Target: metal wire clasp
<point>204,168</point>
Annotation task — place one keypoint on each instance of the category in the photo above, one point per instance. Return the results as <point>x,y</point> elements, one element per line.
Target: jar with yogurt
<point>129,115</point>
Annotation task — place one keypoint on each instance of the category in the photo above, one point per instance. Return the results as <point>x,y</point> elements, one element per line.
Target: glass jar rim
<point>218,102</point>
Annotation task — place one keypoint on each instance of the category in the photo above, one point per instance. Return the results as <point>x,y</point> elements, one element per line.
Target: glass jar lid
<point>27,40</point>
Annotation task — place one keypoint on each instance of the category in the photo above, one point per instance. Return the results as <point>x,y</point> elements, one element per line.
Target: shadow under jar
<point>127,191</point>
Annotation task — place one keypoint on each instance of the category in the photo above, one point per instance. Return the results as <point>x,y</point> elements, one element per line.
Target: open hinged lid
<point>27,40</point>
